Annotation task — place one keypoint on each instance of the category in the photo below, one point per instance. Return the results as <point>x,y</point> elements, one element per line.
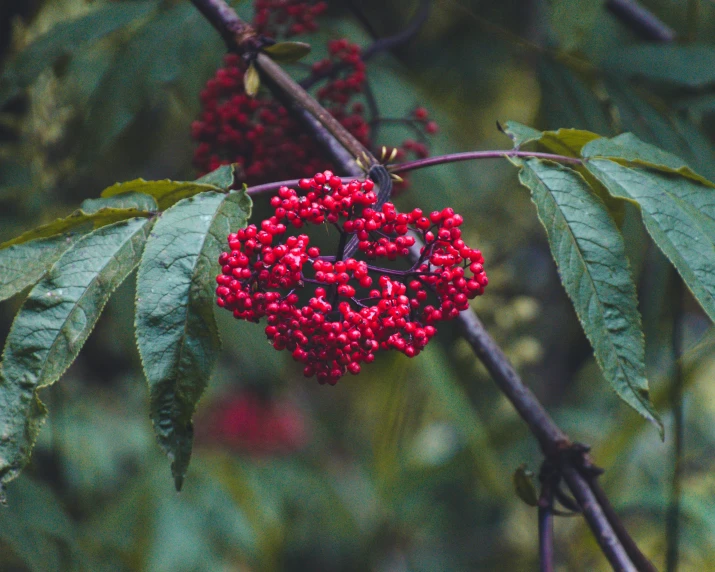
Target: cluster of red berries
<point>336,95</point>
<point>255,132</point>
<point>286,17</point>
<point>350,308</point>
<point>260,135</point>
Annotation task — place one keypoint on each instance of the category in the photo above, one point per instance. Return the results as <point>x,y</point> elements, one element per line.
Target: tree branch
<point>550,437</point>
<point>641,21</point>
<point>554,443</point>
<point>598,522</point>
<point>546,528</point>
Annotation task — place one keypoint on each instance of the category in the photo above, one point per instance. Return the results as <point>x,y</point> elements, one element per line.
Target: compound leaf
<point>78,221</point>
<point>678,213</point>
<point>176,330</point>
<point>128,200</point>
<point>564,141</point>
<point>52,326</point>
<point>590,255</point>
<point>22,265</point>
<point>166,192</point>
<point>521,134</point>
<point>627,148</point>
<point>223,177</point>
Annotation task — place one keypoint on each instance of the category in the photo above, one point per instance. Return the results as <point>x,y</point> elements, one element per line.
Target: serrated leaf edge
<point>643,400</point>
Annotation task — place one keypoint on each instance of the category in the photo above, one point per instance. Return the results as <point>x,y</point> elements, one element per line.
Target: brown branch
<point>550,437</point>
<point>554,443</point>
<point>641,21</point>
<point>549,481</point>
<point>639,559</point>
<point>598,522</point>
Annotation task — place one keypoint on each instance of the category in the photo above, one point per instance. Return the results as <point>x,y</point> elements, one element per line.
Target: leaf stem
<point>473,155</point>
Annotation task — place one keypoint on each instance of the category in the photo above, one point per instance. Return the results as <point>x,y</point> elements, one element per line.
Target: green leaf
<point>564,141</point>
<point>590,255</point>
<point>52,326</point>
<point>521,134</point>
<point>651,121</point>
<point>222,178</point>
<point>78,221</point>
<point>67,38</point>
<point>22,265</point>
<point>627,148</point>
<point>165,192</point>
<point>678,213</point>
<point>287,52</point>
<point>128,200</point>
<point>251,81</point>
<point>691,65</point>
<point>175,327</point>
<point>567,141</point>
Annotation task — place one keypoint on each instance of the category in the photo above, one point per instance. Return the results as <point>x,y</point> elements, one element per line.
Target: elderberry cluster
<point>286,17</point>
<point>333,313</point>
<point>258,132</point>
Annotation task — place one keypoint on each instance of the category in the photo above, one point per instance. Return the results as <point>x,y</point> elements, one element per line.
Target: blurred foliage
<point>408,466</point>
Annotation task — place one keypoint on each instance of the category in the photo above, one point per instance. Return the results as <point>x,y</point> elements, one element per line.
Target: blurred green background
<point>407,466</point>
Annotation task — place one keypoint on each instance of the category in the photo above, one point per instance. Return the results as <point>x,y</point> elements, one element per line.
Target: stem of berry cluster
<point>472,155</point>
<point>572,461</point>
<point>432,162</point>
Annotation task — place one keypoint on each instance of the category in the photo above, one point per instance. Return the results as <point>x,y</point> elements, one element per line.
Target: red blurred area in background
<point>248,422</point>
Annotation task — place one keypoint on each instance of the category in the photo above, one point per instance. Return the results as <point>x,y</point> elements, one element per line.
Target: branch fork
<point>569,459</point>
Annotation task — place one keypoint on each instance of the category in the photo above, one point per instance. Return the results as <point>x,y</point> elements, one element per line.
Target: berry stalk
<point>473,155</point>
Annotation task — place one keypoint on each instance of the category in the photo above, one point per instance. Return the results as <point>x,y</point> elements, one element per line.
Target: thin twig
<point>550,437</point>
<point>410,31</point>
<point>471,155</point>
<point>598,522</point>
<point>643,22</point>
<point>546,528</point>
<point>634,553</point>
<point>271,187</point>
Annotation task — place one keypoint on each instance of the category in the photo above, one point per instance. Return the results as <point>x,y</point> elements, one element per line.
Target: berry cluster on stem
<point>258,132</point>
<point>334,313</point>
